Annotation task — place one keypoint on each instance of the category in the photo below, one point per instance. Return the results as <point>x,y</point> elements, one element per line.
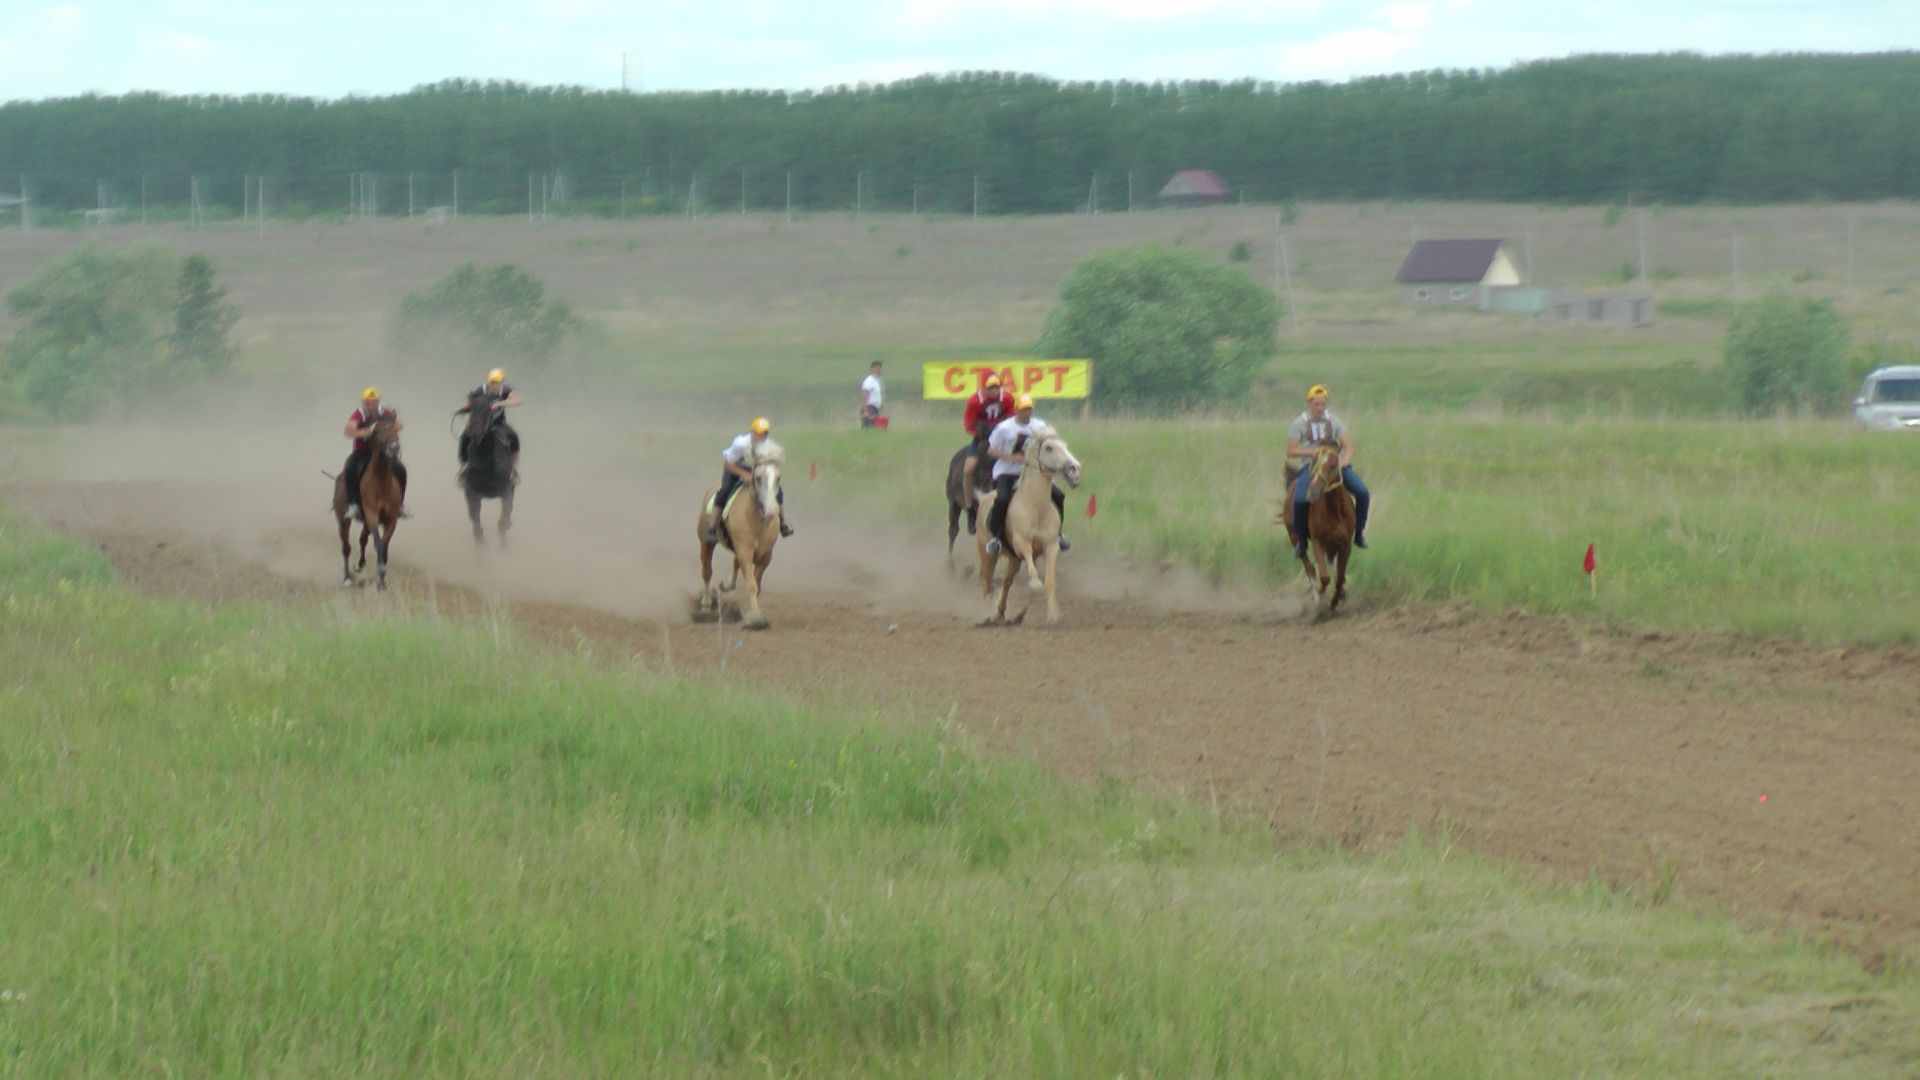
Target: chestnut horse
<point>381,500</point>
<point>750,526</point>
<point>1329,528</point>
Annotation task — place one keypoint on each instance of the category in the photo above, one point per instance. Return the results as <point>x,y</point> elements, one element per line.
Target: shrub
<point>1167,328</point>
<point>1784,353</point>
<point>104,326</point>
<point>1241,252</point>
<point>502,312</point>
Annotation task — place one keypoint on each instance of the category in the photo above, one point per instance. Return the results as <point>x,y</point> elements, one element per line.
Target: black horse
<point>956,495</point>
<point>488,472</point>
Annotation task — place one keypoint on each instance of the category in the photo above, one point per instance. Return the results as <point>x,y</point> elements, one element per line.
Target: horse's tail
<point>328,475</point>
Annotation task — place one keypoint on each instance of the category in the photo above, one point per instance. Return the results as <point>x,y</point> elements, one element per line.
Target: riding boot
<point>1060,506</point>
<point>997,520</point>
<point>967,501</point>
<point>400,474</point>
<point>1299,530</point>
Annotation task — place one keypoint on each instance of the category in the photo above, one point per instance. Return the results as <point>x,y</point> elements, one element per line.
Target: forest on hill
<point>1594,129</point>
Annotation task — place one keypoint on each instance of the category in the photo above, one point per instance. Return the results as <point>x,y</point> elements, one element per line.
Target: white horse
<point>1033,527</point>
<point>752,528</point>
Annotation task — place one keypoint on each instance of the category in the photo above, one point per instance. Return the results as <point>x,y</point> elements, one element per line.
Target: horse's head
<point>479,412</point>
<point>385,438</point>
<point>1050,454</point>
<point>1325,473</point>
<point>767,459</point>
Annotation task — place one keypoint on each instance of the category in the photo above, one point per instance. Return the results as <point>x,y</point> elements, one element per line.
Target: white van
<point>1890,400</point>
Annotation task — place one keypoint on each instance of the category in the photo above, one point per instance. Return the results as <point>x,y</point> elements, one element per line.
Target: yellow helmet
<point>1316,390</point>
<point>371,393</point>
<point>992,381</point>
<point>496,376</point>
<point>1024,401</point>
<point>760,425</point>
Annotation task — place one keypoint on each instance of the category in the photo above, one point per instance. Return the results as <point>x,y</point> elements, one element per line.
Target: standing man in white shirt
<point>1007,446</point>
<point>872,394</point>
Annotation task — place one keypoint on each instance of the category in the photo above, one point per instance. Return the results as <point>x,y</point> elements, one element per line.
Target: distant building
<point>1194,187</point>
<point>1456,272</point>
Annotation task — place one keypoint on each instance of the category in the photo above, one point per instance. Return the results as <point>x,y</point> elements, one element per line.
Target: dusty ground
<point>1571,750</point>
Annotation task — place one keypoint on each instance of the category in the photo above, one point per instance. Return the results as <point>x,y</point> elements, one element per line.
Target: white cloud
<point>66,20</point>
<point>1405,18</point>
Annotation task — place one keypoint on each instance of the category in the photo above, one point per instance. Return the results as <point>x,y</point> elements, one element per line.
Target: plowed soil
<point>1773,780</point>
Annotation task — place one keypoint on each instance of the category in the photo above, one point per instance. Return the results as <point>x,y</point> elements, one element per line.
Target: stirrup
<point>993,545</point>
<point>786,530</point>
<point>711,536</point>
<point>1300,550</point>
<point>353,512</point>
<point>1064,544</point>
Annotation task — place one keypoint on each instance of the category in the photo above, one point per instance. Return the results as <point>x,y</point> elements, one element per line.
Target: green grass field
<point>1798,528</point>
<point>239,842</point>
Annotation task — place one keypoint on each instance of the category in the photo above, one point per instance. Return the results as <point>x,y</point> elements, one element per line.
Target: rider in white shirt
<point>1007,446</point>
<point>872,395</point>
<point>735,458</point>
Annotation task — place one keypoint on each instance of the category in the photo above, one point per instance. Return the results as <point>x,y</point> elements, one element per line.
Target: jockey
<point>985,409</point>
<point>360,428</point>
<point>1311,430</point>
<point>1007,447</point>
<point>735,458</point>
<point>501,397</point>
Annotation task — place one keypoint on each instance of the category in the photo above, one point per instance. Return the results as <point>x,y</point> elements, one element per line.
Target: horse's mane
<point>769,452</point>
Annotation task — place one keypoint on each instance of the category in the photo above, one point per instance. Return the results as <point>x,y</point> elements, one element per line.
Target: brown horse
<point>957,501</point>
<point>1329,528</point>
<point>381,500</point>
<point>751,528</point>
<point>1033,528</point>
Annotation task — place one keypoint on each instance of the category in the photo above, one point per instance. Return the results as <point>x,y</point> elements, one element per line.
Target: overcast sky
<point>366,47</point>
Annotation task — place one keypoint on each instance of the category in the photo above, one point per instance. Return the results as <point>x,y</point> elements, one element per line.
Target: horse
<point>489,470</point>
<point>1033,528</point>
<point>957,497</point>
<point>1329,528</point>
<point>381,500</point>
<point>751,527</point>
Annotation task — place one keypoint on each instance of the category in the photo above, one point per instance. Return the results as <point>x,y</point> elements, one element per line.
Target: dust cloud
<point>603,518</point>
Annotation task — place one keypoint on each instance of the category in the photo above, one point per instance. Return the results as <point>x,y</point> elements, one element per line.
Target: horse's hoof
<point>755,624</point>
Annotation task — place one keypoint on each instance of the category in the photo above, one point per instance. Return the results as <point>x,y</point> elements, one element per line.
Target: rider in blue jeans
<point>1311,430</point>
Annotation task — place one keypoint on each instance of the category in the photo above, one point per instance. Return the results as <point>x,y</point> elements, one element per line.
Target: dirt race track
<point>1568,749</point>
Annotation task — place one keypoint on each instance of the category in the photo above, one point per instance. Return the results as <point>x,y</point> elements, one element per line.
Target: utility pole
<point>859,190</point>
<point>410,198</point>
<point>1736,268</point>
<point>789,196</point>
<point>26,206</point>
<point>623,198</point>
<point>1849,247</point>
<point>456,193</point>
<point>143,198</point>
<point>976,198</point>
<point>1129,191</point>
<point>1640,219</point>
<point>693,195</point>
<point>529,196</point>
<point>743,193</point>
<point>1284,270</point>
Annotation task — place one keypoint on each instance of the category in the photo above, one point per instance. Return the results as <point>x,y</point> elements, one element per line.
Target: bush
<point>1166,328</point>
<point>502,312</point>
<point>104,326</point>
<point>1240,252</point>
<point>1784,353</point>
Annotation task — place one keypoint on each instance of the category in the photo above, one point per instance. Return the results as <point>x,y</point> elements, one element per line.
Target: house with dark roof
<point>1457,272</point>
<point>1194,187</point>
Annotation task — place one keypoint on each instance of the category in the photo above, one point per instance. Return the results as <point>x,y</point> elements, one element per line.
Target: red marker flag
<point>813,473</point>
<point>1093,504</point>
<point>1588,564</point>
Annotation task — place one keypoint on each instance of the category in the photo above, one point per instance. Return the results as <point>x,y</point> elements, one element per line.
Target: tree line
<point>1673,128</point>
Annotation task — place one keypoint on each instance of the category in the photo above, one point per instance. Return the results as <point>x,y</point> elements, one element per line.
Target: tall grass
<point>1796,528</point>
<point>239,843</point>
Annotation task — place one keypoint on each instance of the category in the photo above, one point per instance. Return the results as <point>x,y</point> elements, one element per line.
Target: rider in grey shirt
<point>1309,431</point>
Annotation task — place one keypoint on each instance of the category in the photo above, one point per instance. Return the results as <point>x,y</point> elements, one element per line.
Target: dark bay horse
<point>957,497</point>
<point>1329,528</point>
<point>381,500</point>
<point>489,470</point>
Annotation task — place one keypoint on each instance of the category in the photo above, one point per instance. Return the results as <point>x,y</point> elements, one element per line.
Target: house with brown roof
<point>1456,272</point>
<point>1194,187</point>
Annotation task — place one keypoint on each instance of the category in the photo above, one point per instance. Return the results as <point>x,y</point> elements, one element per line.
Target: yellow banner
<point>954,380</point>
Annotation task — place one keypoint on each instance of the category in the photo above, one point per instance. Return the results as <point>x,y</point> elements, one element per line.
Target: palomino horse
<point>1033,527</point>
<point>957,497</point>
<point>489,471</point>
<point>752,526</point>
<point>1329,528</point>
<point>381,499</point>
